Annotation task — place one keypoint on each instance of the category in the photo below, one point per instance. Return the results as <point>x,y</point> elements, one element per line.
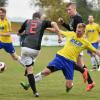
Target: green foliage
<point>56,8</point>
<point>53,8</point>
<point>85,10</point>
<point>3,3</point>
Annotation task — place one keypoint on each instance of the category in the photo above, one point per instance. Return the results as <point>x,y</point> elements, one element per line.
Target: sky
<point>19,8</point>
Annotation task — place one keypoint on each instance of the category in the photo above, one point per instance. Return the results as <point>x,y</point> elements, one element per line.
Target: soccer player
<point>31,44</point>
<point>5,38</point>
<point>92,34</point>
<point>66,58</point>
<point>75,19</point>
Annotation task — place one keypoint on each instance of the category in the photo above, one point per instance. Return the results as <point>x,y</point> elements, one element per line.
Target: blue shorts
<point>64,64</point>
<point>95,45</point>
<point>8,47</point>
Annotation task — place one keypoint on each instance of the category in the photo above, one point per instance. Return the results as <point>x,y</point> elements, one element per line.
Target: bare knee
<point>46,72</point>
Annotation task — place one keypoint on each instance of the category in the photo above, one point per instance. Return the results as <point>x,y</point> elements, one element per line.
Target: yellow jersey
<point>92,32</point>
<point>74,46</point>
<point>5,26</point>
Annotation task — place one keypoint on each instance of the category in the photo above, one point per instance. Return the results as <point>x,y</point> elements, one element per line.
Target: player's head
<point>90,19</point>
<point>36,15</point>
<point>71,9</point>
<point>80,30</point>
<point>2,13</point>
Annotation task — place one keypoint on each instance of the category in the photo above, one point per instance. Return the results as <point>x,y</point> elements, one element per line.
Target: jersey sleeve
<point>23,27</point>
<point>46,24</point>
<point>89,46</point>
<point>67,33</point>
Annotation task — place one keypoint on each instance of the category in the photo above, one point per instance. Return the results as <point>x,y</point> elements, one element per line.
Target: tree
<point>56,8</point>
<point>85,9</point>
<point>3,3</point>
<point>53,8</point>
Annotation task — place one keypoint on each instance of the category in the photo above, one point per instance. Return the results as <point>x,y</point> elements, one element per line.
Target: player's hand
<point>60,20</point>
<point>59,40</point>
<point>18,33</point>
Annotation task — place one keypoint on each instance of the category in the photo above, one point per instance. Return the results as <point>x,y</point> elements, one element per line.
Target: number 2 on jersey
<point>33,27</point>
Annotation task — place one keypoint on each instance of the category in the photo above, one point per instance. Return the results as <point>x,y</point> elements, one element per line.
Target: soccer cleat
<point>85,75</point>
<point>25,85</point>
<point>68,89</point>
<point>98,69</point>
<point>36,94</point>
<point>90,86</point>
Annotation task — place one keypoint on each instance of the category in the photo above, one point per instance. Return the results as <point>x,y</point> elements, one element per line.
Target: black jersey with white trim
<point>71,26</point>
<point>34,30</point>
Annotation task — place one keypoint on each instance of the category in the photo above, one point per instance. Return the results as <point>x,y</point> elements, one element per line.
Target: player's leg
<point>69,85</point>
<point>27,56</point>
<point>28,62</point>
<point>94,58</point>
<point>89,79</point>
<point>68,71</point>
<point>9,48</point>
<point>53,66</point>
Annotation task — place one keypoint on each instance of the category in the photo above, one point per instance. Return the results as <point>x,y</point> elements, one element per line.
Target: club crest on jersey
<point>75,42</point>
<point>91,31</point>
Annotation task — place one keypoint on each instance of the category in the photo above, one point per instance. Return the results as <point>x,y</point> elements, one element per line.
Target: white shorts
<point>28,55</point>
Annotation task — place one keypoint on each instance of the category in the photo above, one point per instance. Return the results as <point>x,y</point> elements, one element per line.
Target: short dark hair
<point>3,9</point>
<point>37,15</point>
<point>71,4</point>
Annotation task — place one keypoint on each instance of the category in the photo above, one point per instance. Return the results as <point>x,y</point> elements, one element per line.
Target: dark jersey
<point>73,22</point>
<point>34,30</point>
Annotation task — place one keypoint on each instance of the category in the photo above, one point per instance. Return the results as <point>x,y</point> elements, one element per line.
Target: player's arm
<point>54,31</point>
<point>22,29</point>
<point>8,30</point>
<point>61,21</point>
<point>91,48</point>
<point>6,34</point>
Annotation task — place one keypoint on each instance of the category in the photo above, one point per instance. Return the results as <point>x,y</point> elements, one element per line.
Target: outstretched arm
<point>53,30</point>
<point>97,52</point>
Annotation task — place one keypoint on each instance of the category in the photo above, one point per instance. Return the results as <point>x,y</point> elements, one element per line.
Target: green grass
<point>51,87</point>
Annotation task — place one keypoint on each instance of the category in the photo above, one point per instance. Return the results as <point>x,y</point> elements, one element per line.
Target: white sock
<point>38,77</point>
<point>97,58</point>
<point>93,61</point>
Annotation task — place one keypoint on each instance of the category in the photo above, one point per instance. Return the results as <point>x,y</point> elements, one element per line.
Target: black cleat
<point>36,94</point>
<point>68,89</point>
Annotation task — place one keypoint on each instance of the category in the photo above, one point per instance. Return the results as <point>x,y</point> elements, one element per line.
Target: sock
<point>93,61</point>
<point>78,68</point>
<point>97,60</point>
<point>32,82</point>
<point>38,77</point>
<point>89,77</point>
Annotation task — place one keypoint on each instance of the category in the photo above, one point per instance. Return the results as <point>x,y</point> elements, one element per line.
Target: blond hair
<point>81,25</point>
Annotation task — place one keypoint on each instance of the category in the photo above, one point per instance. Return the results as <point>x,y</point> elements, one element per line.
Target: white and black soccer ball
<point>2,67</point>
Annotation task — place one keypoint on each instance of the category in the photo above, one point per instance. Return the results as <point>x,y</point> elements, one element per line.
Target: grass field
<point>51,88</point>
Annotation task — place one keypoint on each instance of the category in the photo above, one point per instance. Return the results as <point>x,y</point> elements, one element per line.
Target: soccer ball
<point>2,67</point>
